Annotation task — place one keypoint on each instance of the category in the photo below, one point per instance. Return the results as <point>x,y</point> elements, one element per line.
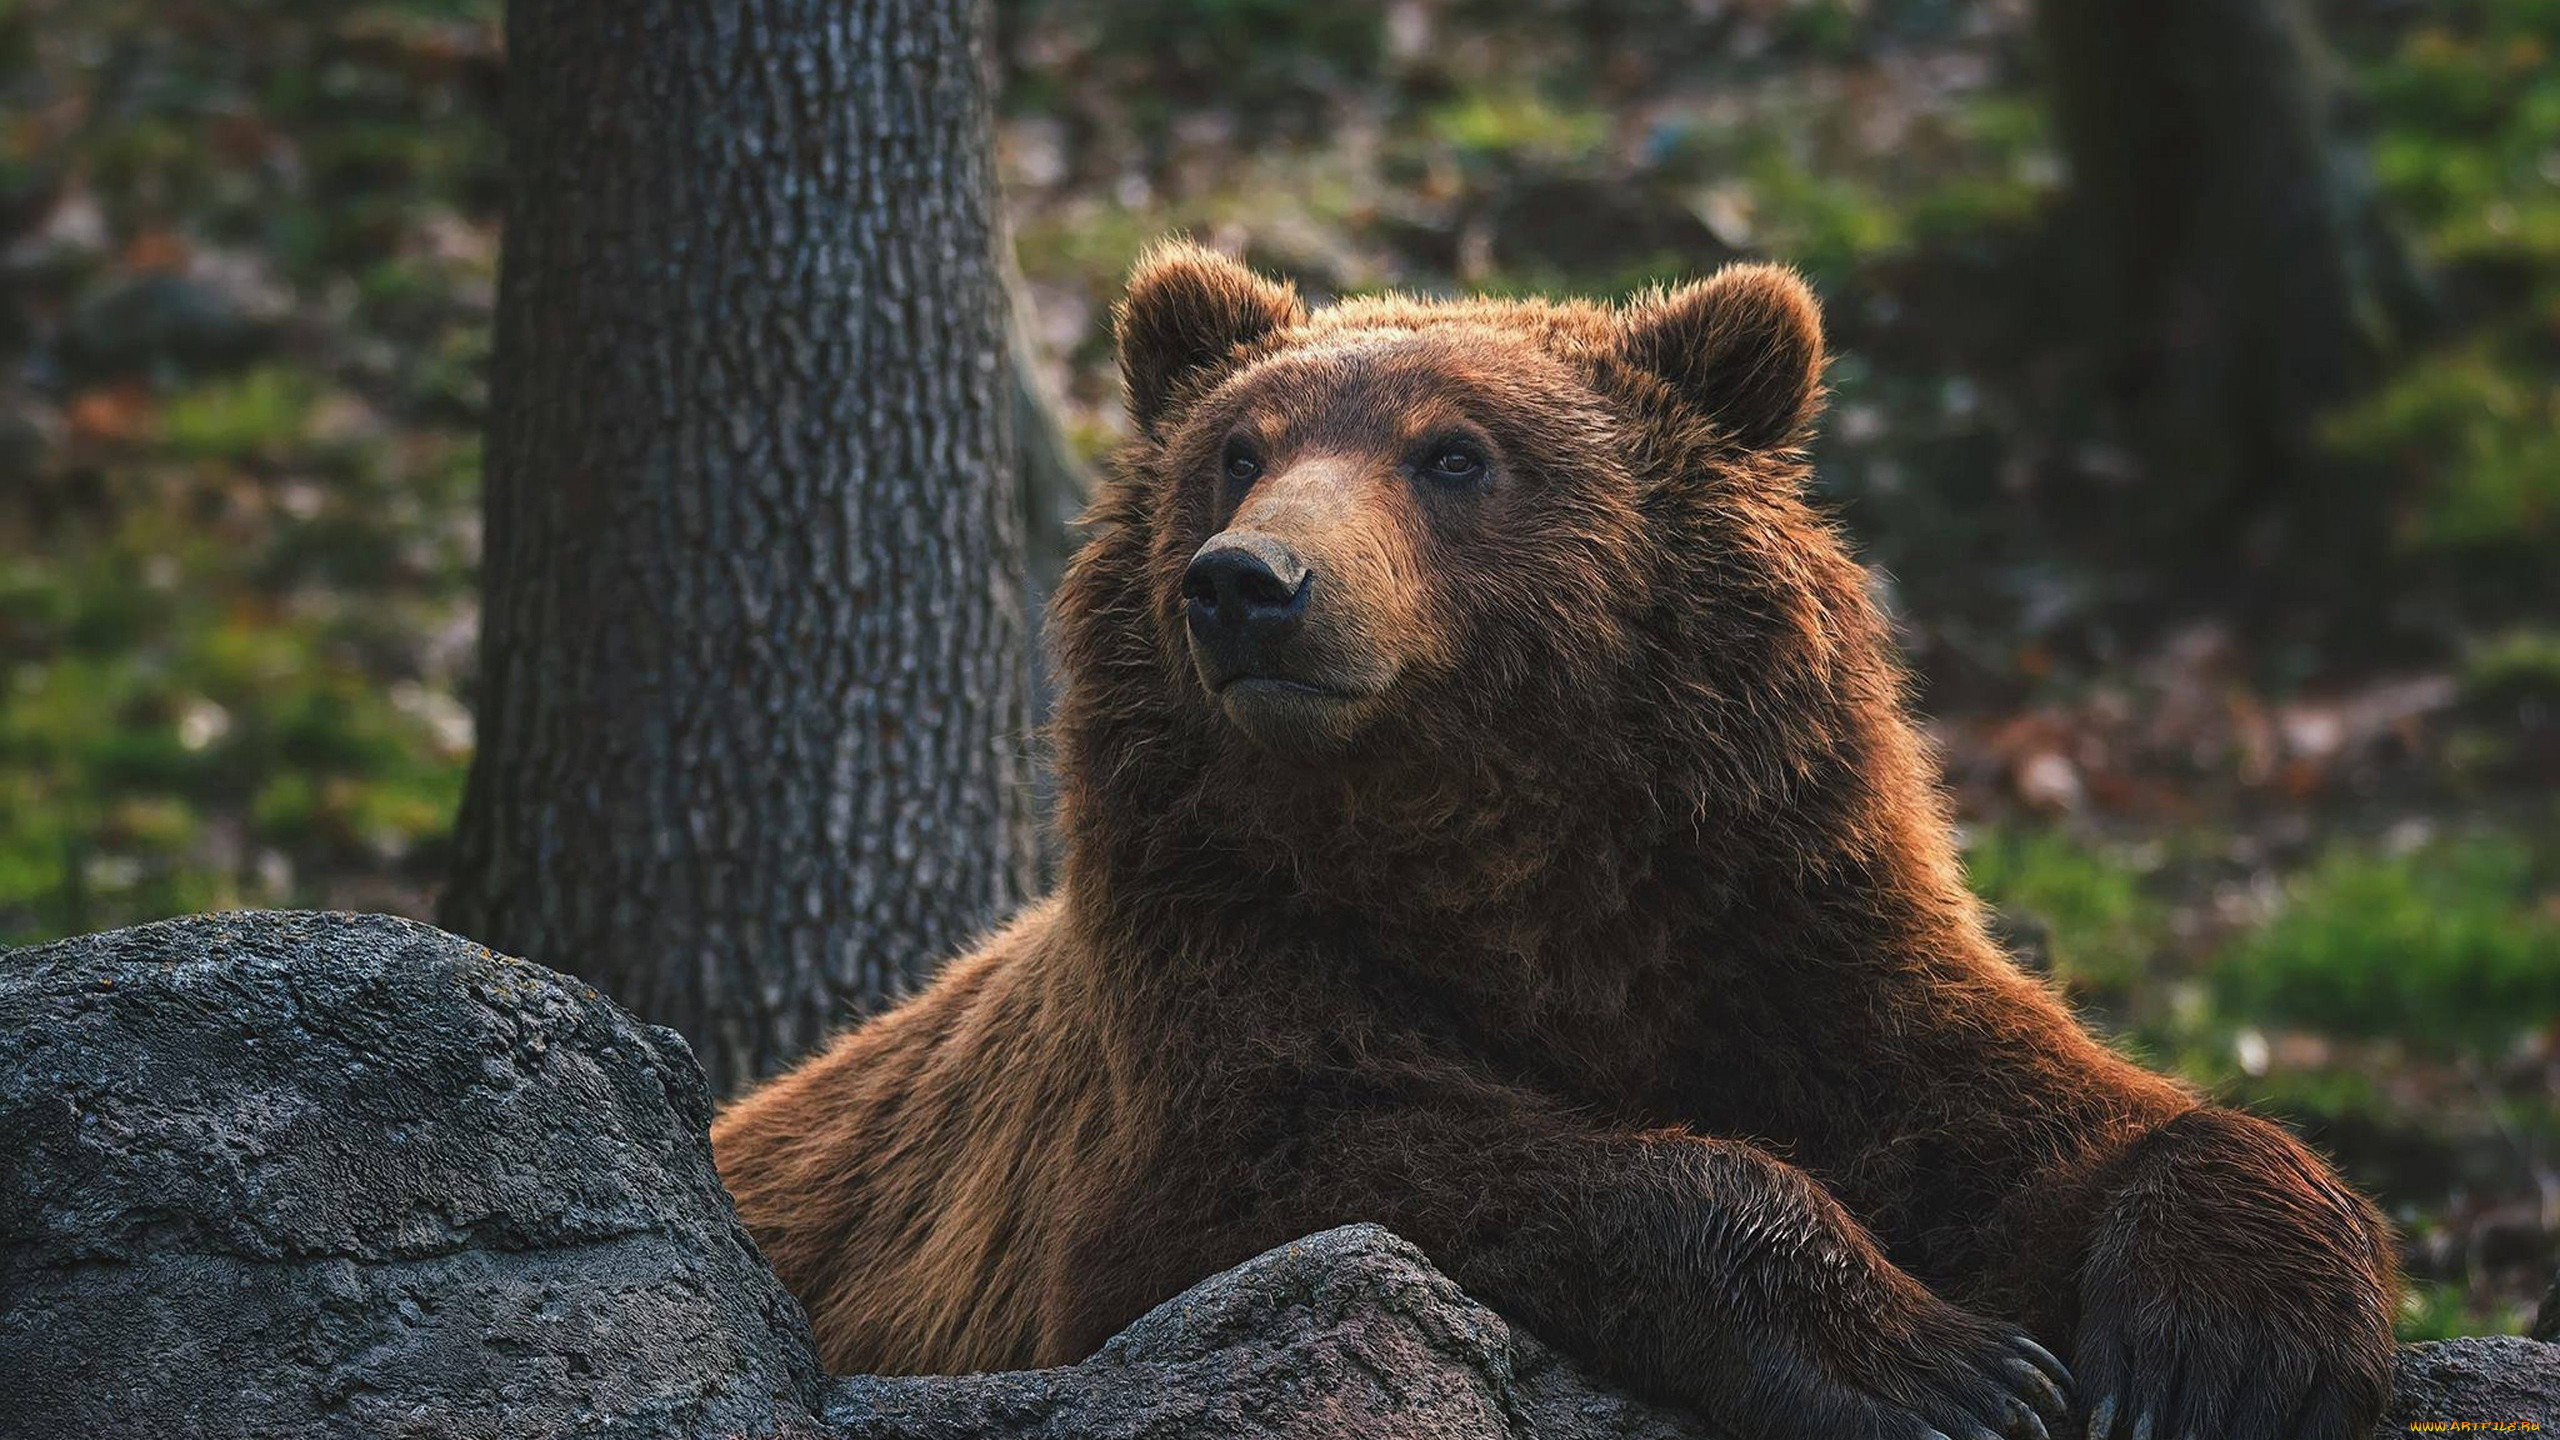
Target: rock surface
<point>277,1174</point>
<point>345,1175</point>
<point>1348,1332</point>
<point>2492,1378</point>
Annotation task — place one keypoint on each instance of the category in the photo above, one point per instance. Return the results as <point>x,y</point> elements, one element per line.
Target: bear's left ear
<point>1187,309</point>
<point>1743,345</point>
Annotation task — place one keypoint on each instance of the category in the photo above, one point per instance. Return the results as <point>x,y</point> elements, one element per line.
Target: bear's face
<point>1362,523</point>
<point>1384,527</point>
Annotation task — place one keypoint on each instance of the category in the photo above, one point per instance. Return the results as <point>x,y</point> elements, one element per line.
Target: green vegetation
<point>2455,943</point>
<point>2440,1310</point>
<point>2467,106</point>
<point>2450,945</point>
<point>237,523</point>
<point>177,751</point>
<point>2104,932</point>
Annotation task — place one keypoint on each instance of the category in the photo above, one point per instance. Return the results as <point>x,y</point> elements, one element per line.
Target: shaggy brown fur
<point>1570,892</point>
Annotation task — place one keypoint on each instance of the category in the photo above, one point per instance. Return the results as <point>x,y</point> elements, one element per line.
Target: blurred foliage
<point>247,254</point>
<point>2485,438</point>
<point>2522,665</point>
<point>246,299</point>
<point>2467,121</point>
<point>2449,945</point>
<point>2100,930</point>
<point>2452,944</point>
<point>2441,1310</point>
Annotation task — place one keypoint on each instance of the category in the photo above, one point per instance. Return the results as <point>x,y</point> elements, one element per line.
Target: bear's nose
<point>1245,587</point>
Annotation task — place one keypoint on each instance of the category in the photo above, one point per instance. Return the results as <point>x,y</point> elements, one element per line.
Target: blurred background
<point>2197,401</point>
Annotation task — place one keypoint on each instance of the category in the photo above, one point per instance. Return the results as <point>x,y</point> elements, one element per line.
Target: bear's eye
<point>1241,466</point>
<point>1458,464</point>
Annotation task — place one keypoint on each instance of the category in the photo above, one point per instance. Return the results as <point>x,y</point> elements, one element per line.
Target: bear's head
<point>1417,562</point>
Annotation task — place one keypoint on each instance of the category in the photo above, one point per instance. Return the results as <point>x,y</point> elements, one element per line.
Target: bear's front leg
<point>1701,1271</point>
<point>2234,1289</point>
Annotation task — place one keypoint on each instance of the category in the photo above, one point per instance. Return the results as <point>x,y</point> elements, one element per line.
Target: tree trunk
<point>753,732</point>
<point>2243,283</point>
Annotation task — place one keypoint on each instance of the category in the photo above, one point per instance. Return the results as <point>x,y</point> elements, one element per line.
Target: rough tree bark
<point>752,700</point>
<point>2242,280</point>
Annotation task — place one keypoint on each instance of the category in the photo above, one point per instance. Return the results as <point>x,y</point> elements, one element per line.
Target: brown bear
<point>1490,808</point>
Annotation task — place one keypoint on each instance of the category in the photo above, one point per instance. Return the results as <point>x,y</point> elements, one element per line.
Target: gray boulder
<point>1347,1332</point>
<point>273,1174</point>
<point>2493,1378</point>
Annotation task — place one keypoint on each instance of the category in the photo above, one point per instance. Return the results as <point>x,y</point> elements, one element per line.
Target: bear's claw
<point>2006,1388</point>
<point>2223,1402</point>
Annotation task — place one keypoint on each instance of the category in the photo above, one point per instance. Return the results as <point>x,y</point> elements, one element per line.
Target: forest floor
<point>247,259</point>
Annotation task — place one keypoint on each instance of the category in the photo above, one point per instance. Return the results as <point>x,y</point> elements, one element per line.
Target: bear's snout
<point>1246,594</point>
<point>1273,642</point>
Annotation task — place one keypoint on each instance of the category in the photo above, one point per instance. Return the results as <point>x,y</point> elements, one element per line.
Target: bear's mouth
<point>1290,714</point>
<point>1247,686</point>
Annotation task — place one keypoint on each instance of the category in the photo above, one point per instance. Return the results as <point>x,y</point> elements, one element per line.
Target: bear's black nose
<point>1245,588</point>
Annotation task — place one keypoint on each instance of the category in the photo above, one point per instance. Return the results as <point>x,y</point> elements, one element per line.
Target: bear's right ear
<point>1187,310</point>
<point>1743,345</point>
